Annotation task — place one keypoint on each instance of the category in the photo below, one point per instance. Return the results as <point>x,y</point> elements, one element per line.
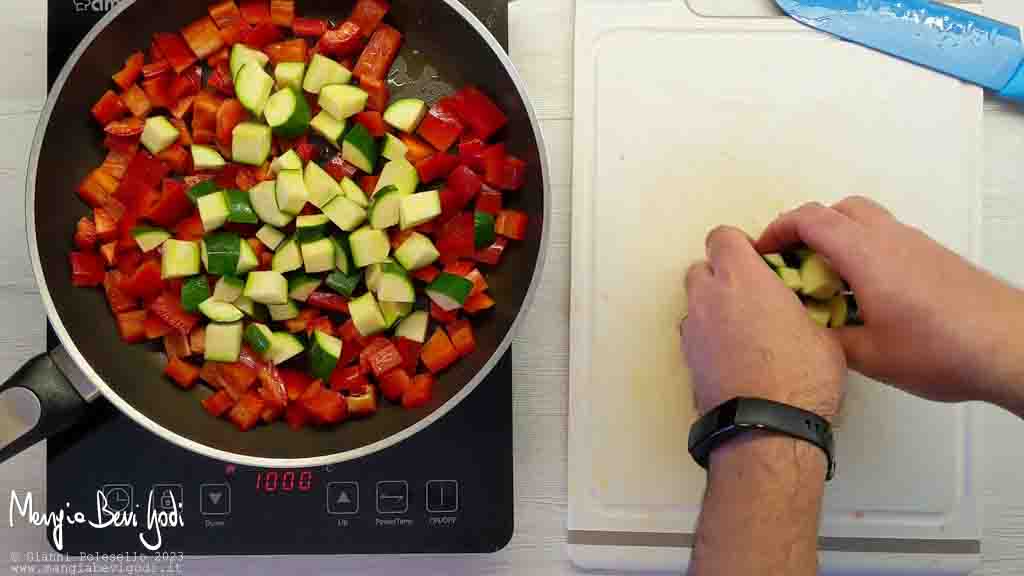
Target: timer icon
<point>119,497</point>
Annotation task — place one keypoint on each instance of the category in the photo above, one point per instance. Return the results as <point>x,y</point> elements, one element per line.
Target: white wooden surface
<point>541,46</point>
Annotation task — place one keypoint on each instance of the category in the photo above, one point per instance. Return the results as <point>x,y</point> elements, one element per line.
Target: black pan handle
<point>37,402</point>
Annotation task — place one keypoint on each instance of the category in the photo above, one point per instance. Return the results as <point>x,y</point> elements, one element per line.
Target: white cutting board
<point>684,122</point>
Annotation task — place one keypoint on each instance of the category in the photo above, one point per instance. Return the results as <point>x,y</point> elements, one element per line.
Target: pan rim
<point>152,426</point>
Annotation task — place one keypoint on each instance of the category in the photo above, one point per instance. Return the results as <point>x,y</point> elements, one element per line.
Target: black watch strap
<point>741,415</point>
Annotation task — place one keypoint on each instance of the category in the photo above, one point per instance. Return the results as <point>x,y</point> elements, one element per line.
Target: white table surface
<point>541,46</point>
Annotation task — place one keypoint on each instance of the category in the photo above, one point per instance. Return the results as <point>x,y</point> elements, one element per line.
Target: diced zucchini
<point>360,149</point>
<point>263,197</point>
<point>288,161</point>
<point>414,327</point>
<point>839,311</point>
<point>289,75</point>
<point>321,187</point>
<point>775,260</point>
<point>288,113</point>
<point>366,315</point>
<point>791,278</point>
<point>395,285</point>
<point>300,286</point>
<point>354,193</point>
<point>369,246</point>
<point>416,252</point>
<point>342,257</point>
<point>291,191</point>
<point>242,55</point>
<point>247,259</point>
<point>374,272</point>
<point>281,312</point>
<point>329,127</point>
<point>270,237</point>
<point>251,309</point>
<point>344,284</point>
<point>222,253</point>
<point>159,134</point>
<point>342,100</point>
<point>394,148</point>
<point>318,256</point>
<point>311,227</point>
<point>345,213</point>
<point>818,280</point>
<point>206,158</point>
<point>250,143</point>
<point>266,287</point>
<point>213,210</point>
<point>180,259</point>
<point>483,229</point>
<point>406,114</point>
<point>220,311</point>
<point>420,208</point>
<point>819,312</point>
<point>258,337</point>
<point>400,174</point>
<point>324,72</point>
<point>194,291</point>
<point>324,353</point>
<point>449,291</point>
<point>284,347</point>
<point>201,189</point>
<point>288,257</point>
<point>223,342</point>
<point>253,86</point>
<point>150,238</point>
<point>394,311</point>
<point>239,208</point>
<point>228,289</point>
<point>384,211</point>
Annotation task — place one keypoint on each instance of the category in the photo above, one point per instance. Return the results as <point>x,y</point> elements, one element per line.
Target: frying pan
<point>445,47</point>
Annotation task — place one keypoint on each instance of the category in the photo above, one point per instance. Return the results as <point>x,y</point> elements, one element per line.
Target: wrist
<point>761,456</point>
<point>999,372</point>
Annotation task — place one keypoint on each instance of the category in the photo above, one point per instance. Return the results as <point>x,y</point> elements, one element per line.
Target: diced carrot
<point>438,353</point>
<point>203,37</point>
<point>131,326</point>
<point>131,71</point>
<point>478,303</point>
<point>416,149</point>
<point>461,334</point>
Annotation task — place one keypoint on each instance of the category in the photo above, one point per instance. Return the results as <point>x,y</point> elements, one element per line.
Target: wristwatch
<point>742,415</point>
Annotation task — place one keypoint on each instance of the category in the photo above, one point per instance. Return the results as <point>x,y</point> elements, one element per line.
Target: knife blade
<point>955,42</point>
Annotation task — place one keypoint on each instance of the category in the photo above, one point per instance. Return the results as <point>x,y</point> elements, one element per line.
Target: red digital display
<point>284,482</point>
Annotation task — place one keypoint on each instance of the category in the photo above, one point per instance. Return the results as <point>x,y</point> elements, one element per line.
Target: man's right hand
<point>934,324</point>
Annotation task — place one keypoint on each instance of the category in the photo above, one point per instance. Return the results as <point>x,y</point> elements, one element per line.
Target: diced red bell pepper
<point>512,224</point>
<point>466,183</point>
<point>177,158</point>
<point>282,13</point>
<point>173,205</point>
<point>247,412</point>
<point>126,127</point>
<point>489,201</point>
<point>441,127</point>
<point>479,112</point>
<point>427,274</point>
<point>311,27</point>
<point>87,269</point>
<point>191,228</point>
<point>349,379</point>
<point>145,283</point>
<point>345,40</point>
<point>441,315</point>
<point>416,149</point>
<point>228,176</point>
<point>204,115</point>
<point>379,93</point>
<point>116,163</point>
<point>352,347</point>
<point>320,324</point>
<point>203,37</point>
<point>457,238</point>
<point>492,254</point>
<point>220,80</point>
<point>181,109</point>
<point>461,334</point>
<point>225,13</point>
<point>339,169</point>
<point>109,108</point>
<point>85,234</point>
<point>168,308</point>
<point>470,151</point>
<point>367,14</point>
<point>479,282</point>
<point>273,388</point>
<point>373,122</point>
<point>301,322</point>
<point>175,50</point>
<point>128,262</point>
<point>293,50</point>
<point>379,54</point>
<point>156,69</point>
<point>147,169</point>
<point>109,253</point>
<point>126,144</point>
<point>184,138</point>
<point>155,327</point>
<point>197,340</point>
<point>236,378</point>
<point>188,82</point>
<point>328,301</point>
<point>383,359</point>
<point>512,175</point>
<point>97,188</point>
<point>364,404</point>
<point>106,225</point>
<point>493,159</point>
<point>131,326</point>
<point>230,114</point>
<point>439,353</point>
<point>435,167</point>
<point>158,90</point>
<point>328,407</point>
<point>394,384</point>
<point>295,382</point>
<point>459,268</point>
<point>296,417</point>
<point>131,71</point>
<point>184,374</point>
<point>419,392</point>
<point>176,345</point>
<point>369,184</point>
<point>256,12</point>
<point>116,298</point>
<point>372,345</point>
<point>218,404</point>
<point>410,351</point>
<point>261,35</point>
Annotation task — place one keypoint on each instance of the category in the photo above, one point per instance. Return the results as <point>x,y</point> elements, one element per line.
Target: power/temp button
<point>393,497</point>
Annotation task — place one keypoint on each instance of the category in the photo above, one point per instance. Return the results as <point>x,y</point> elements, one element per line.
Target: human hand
<point>934,325</point>
<point>747,335</point>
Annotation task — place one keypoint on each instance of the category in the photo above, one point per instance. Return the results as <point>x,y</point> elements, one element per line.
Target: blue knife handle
<point>1015,89</point>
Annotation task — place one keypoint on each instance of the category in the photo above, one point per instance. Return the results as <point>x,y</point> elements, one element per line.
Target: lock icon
<point>167,496</point>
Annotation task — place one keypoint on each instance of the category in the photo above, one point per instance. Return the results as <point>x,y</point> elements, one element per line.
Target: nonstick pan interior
<point>442,50</point>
